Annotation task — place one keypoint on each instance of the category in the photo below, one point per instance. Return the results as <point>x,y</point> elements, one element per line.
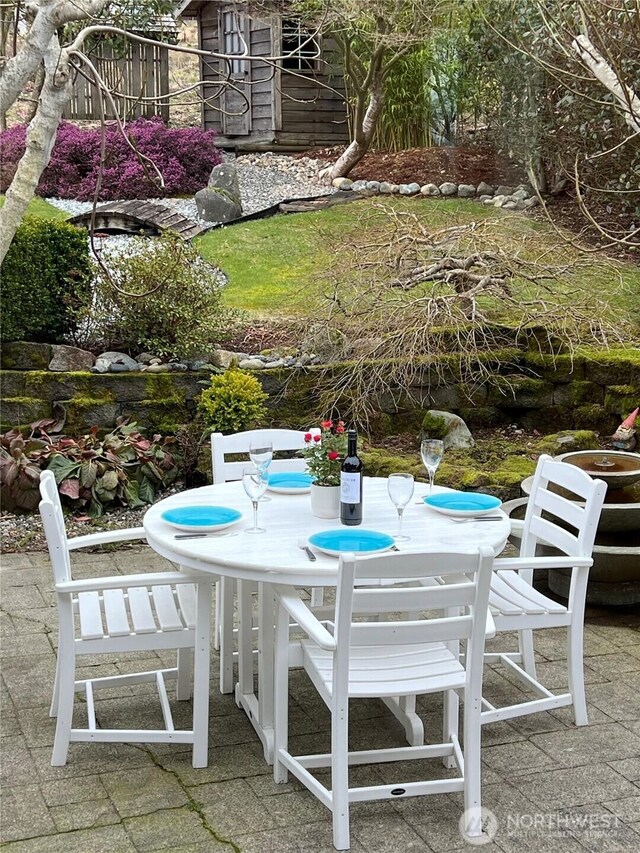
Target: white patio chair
<point>123,613</point>
<point>223,446</point>
<point>569,527</point>
<point>389,659</point>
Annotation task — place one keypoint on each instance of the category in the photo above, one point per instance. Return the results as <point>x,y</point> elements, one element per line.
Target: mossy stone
<point>61,386</point>
<point>479,417</point>
<point>538,339</point>
<point>25,355</point>
<point>380,463</point>
<point>433,426</point>
<point>568,441</point>
<point>522,392</point>
<point>165,417</point>
<point>578,393</point>
<point>558,417</point>
<point>21,411</point>
<point>595,418</point>
<point>86,412</point>
<point>12,383</point>
<point>473,395</point>
<point>621,399</point>
<point>618,365</point>
<point>559,368</point>
<point>443,397</point>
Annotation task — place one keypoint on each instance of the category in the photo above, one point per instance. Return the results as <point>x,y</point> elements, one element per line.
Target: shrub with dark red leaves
<point>184,157</point>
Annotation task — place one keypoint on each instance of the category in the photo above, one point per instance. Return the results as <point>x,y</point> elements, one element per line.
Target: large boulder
<point>71,358</point>
<point>114,362</point>
<point>449,427</point>
<point>220,200</point>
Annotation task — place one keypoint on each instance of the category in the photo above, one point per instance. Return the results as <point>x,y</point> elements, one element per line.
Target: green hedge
<point>45,278</point>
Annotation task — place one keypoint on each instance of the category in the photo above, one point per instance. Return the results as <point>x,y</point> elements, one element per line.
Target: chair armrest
<point>490,627</point>
<point>126,581</point>
<point>559,562</point>
<point>296,608</point>
<point>105,538</point>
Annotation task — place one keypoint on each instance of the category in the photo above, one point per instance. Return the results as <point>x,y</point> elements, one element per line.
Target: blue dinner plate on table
<point>290,482</point>
<point>335,542</point>
<point>202,518</point>
<point>462,503</point>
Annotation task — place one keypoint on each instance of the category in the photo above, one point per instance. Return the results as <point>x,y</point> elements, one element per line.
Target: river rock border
<point>521,197</point>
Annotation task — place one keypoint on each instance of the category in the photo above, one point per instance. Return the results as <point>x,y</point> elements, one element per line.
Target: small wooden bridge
<point>150,218</point>
<point>147,218</point>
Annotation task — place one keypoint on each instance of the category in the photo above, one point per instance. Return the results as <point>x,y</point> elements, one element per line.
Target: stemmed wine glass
<point>261,454</point>
<point>255,482</point>
<point>400,487</point>
<point>431,450</point>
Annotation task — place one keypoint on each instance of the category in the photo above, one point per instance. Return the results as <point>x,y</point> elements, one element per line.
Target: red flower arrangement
<point>324,451</point>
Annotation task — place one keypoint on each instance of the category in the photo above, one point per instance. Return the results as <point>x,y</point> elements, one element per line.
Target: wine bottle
<point>351,483</point>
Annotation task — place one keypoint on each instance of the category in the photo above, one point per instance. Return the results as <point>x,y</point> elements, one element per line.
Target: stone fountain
<point>614,578</point>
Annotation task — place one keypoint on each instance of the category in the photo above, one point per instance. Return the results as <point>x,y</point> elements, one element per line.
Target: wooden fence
<point>135,72</point>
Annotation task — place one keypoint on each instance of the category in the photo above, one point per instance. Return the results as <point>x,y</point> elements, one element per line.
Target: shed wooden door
<point>236,97</point>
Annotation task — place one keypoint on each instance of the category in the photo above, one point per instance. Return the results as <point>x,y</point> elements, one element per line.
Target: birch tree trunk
<point>41,135</point>
<point>34,97</point>
<point>602,71</point>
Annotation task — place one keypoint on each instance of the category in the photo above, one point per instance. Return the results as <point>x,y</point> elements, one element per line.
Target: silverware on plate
<point>203,535</point>
<point>476,518</point>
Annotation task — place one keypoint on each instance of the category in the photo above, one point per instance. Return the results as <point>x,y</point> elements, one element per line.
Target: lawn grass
<point>40,207</point>
<point>278,266</point>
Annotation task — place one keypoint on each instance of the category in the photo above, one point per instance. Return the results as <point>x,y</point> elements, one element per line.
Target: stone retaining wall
<point>579,393</point>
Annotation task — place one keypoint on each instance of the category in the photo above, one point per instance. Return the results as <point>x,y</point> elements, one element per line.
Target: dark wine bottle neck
<point>352,448</point>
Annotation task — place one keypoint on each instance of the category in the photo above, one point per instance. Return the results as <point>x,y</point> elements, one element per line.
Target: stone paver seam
<point>192,804</point>
<point>45,628</point>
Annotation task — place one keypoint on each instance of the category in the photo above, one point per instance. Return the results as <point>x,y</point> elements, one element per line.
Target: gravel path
<point>265,179</point>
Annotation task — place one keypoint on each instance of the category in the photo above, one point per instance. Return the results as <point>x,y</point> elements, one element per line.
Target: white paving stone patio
<point>552,786</point>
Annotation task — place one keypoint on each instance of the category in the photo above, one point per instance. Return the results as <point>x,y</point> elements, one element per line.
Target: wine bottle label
<point>350,488</point>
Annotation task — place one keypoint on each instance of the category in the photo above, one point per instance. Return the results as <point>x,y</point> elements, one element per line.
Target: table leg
<point>201,663</point>
<point>259,709</point>
<point>245,638</point>
<point>266,650</point>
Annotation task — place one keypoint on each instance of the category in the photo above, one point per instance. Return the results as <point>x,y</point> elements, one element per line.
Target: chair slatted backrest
<point>229,445</point>
<point>460,600</point>
<point>54,527</point>
<point>581,514</point>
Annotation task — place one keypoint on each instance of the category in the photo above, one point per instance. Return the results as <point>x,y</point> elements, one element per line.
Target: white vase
<point>325,501</point>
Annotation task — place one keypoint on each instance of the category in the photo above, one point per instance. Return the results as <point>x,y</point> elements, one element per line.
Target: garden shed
<point>296,103</point>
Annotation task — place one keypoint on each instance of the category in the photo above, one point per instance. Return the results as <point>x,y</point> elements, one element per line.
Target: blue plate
<point>334,542</point>
<point>462,503</point>
<point>290,482</point>
<point>202,518</point>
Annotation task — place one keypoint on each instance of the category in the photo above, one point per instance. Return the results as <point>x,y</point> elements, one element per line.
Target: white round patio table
<point>275,557</point>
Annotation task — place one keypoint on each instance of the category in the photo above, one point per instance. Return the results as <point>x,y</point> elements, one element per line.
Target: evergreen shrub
<point>46,280</point>
<point>157,295</point>
<point>234,402</point>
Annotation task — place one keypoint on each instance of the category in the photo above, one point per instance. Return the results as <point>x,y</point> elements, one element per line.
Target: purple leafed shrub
<point>184,157</point>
